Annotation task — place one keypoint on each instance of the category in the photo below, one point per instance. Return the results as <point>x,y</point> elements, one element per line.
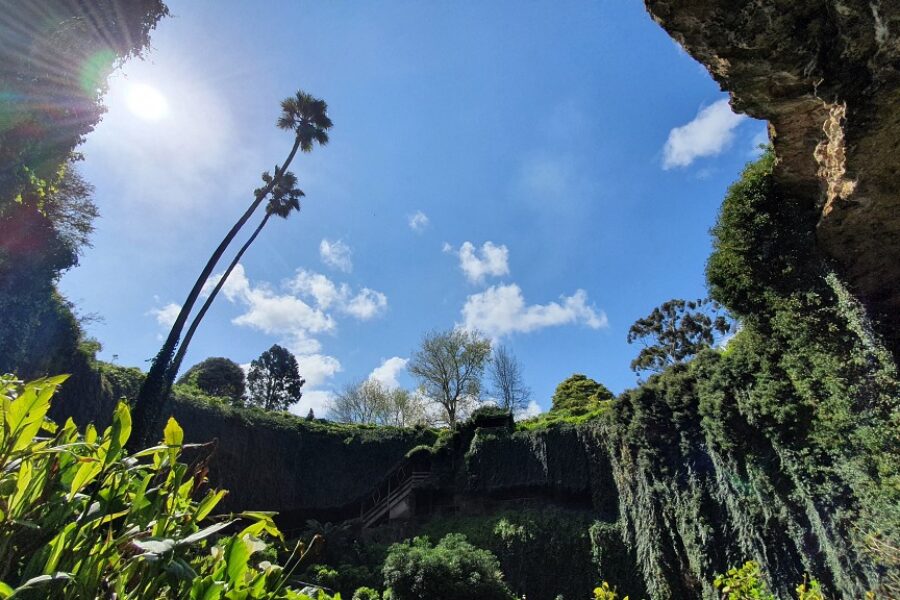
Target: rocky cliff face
<point>825,75</point>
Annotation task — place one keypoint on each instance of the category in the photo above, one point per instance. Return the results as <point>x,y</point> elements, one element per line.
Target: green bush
<point>747,583</point>
<point>81,518</point>
<point>452,570</point>
<point>366,593</point>
<point>218,376</point>
<point>579,393</point>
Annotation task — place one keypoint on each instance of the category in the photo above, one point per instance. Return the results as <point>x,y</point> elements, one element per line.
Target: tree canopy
<point>579,393</point>
<point>218,376</point>
<point>676,330</point>
<point>274,380</point>
<point>449,366</point>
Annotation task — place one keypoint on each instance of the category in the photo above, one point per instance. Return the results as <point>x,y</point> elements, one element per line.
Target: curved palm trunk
<point>155,389</point>
<point>182,349</point>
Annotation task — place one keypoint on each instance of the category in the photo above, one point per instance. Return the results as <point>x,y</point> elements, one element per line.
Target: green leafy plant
<point>743,583</point>
<point>605,592</point>
<point>366,593</point>
<point>454,569</point>
<point>81,518</point>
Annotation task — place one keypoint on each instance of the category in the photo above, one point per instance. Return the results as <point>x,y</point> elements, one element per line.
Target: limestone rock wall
<point>825,75</point>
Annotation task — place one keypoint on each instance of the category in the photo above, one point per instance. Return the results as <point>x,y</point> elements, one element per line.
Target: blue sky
<point>544,171</point>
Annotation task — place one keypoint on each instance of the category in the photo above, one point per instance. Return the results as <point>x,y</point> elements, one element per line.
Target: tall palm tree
<point>285,200</point>
<point>308,118</point>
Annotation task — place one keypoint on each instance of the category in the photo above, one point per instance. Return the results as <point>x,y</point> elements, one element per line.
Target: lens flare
<point>147,102</point>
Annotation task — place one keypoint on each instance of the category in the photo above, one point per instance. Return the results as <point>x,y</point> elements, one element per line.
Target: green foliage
<point>274,380</point>
<point>579,393</point>
<point>747,583</point>
<point>744,583</point>
<point>576,400</point>
<point>542,552</point>
<point>80,518</point>
<point>452,570</point>
<point>217,377</point>
<point>564,417</point>
<point>366,593</point>
<point>448,366</point>
<point>676,330</point>
<point>64,51</point>
<point>605,592</point>
<point>784,447</point>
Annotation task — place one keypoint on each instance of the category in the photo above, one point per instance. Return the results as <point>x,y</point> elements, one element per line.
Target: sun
<point>147,102</point>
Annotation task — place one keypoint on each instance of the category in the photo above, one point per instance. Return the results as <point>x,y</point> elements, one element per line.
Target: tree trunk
<point>155,390</point>
<point>182,349</point>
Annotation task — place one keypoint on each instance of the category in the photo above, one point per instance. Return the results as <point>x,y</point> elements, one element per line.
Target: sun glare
<point>147,102</point>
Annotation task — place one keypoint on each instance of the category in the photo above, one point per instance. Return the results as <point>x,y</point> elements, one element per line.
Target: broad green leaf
<point>56,547</point>
<point>173,434</point>
<point>85,474</point>
<point>41,580</point>
<point>202,534</point>
<point>25,415</point>
<point>5,590</point>
<point>157,547</point>
<point>208,504</point>
<point>121,425</point>
<point>23,485</point>
<point>264,524</point>
<point>236,556</point>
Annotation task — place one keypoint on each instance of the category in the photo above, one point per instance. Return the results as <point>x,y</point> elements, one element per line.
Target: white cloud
<point>336,255</point>
<point>319,287</point>
<point>711,131</point>
<point>288,315</point>
<point>166,315</point>
<point>305,306</point>
<point>447,248</point>
<point>271,312</point>
<point>317,400</point>
<point>491,260</point>
<point>366,305</point>
<point>501,310</point>
<point>418,221</point>
<point>386,373</point>
<point>532,410</point>
<point>317,368</point>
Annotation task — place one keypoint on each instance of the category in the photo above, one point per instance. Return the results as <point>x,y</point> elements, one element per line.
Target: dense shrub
<point>452,570</point>
<point>579,393</point>
<point>217,376</point>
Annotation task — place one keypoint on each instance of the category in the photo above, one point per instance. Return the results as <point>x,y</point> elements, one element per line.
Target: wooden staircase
<point>392,498</point>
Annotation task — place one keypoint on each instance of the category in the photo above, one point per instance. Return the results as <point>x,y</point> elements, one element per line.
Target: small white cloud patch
<point>532,410</point>
<point>490,260</point>
<point>386,373</point>
<point>501,310</point>
<point>336,255</point>
<point>366,305</point>
<point>711,132</point>
<point>418,221</point>
<point>166,315</point>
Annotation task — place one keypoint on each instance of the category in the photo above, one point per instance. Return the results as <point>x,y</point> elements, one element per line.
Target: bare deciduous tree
<point>506,381</point>
<point>370,401</point>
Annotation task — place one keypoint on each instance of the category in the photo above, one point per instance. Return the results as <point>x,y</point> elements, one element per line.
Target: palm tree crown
<point>285,195</point>
<point>307,116</point>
